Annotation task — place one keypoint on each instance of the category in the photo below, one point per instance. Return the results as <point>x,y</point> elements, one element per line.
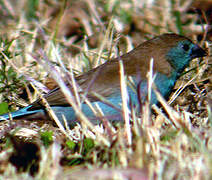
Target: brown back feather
<point>135,62</point>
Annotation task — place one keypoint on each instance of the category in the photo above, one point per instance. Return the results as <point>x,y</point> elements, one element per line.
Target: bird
<point>171,54</point>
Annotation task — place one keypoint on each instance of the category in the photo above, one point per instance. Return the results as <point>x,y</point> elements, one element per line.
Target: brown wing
<point>104,79</point>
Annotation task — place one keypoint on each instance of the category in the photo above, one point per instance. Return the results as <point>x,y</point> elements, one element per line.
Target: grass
<point>44,43</point>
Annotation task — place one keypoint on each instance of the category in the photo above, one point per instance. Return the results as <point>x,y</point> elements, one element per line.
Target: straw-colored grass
<point>43,43</point>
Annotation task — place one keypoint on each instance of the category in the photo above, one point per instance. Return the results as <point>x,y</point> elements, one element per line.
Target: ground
<point>171,144</point>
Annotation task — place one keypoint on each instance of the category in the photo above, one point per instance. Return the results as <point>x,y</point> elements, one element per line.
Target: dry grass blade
<point>125,100</point>
<point>174,142</point>
<point>66,91</point>
<point>173,115</point>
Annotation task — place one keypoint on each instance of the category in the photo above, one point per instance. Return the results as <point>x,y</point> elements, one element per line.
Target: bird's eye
<point>185,47</point>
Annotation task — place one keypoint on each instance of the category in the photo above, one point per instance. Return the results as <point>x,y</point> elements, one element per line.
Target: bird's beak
<point>197,51</point>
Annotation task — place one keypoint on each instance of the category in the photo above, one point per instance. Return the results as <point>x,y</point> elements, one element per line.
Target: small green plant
<point>71,145</point>
<point>88,145</point>
<point>47,138</point>
<point>31,9</point>
<point>4,107</point>
<point>10,83</point>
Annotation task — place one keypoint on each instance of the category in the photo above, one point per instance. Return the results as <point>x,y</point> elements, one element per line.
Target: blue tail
<point>70,115</point>
<point>69,112</point>
<point>19,113</point>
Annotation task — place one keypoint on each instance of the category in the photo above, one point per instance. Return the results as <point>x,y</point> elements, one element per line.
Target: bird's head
<point>182,52</point>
